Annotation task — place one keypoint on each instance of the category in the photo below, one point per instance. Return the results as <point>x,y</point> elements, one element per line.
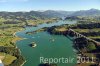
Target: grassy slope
<point>7,38</point>
<point>7,59</point>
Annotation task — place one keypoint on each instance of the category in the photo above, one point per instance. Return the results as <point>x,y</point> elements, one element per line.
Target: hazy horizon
<point>47,10</point>
<point>43,5</point>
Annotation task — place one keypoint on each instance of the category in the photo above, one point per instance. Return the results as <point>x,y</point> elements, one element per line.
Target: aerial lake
<point>60,47</point>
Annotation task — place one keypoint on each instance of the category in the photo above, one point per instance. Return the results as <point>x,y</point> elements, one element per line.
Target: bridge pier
<point>78,35</point>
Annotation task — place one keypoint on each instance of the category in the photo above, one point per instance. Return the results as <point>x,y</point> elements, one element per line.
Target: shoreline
<point>17,46</point>
<point>20,40</point>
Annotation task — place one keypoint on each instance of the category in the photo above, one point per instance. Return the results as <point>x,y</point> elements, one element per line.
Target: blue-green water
<point>60,47</point>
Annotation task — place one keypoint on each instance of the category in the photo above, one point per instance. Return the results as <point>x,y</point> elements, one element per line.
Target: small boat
<point>52,39</point>
<point>74,50</point>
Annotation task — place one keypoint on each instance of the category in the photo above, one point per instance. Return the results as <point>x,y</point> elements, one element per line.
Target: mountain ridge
<point>52,13</point>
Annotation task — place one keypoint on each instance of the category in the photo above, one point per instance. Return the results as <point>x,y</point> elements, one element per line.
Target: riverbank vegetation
<point>8,46</point>
<point>85,47</point>
<point>8,27</point>
<point>39,30</point>
<point>12,22</point>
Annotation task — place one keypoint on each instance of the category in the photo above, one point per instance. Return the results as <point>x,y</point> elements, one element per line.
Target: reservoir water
<point>60,47</point>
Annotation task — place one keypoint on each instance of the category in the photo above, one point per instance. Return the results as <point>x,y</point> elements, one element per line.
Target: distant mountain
<point>50,14</point>
<point>39,14</point>
<point>91,12</point>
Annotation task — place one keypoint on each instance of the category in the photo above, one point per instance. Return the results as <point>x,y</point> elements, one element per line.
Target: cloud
<point>3,1</point>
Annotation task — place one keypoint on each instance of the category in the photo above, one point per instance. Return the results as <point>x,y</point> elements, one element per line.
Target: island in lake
<point>33,44</point>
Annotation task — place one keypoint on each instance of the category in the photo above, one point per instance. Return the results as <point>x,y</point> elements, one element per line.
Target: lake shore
<point>43,30</point>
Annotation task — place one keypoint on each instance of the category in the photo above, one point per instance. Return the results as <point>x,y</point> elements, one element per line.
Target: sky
<point>66,5</point>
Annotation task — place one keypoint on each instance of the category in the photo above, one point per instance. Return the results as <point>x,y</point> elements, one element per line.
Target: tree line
<point>14,52</point>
